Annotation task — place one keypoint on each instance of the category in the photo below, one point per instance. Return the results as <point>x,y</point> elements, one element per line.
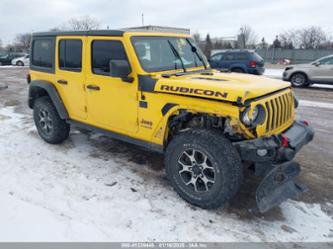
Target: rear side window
<point>229,57</point>
<point>43,53</point>
<point>103,52</point>
<point>241,57</point>
<point>70,55</point>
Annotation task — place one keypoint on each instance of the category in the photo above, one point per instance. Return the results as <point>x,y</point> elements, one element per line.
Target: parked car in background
<point>21,61</point>
<point>6,58</point>
<point>240,61</point>
<point>303,75</point>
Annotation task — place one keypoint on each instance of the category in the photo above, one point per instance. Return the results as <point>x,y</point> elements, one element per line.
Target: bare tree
<point>247,38</point>
<point>289,39</point>
<point>311,37</point>
<point>197,38</point>
<point>263,44</point>
<point>1,44</point>
<point>23,41</point>
<point>82,23</point>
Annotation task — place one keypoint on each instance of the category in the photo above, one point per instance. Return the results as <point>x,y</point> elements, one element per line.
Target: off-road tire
<point>60,129</point>
<point>299,80</point>
<point>224,158</point>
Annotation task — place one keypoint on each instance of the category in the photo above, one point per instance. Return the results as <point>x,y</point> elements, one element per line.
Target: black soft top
<point>80,33</point>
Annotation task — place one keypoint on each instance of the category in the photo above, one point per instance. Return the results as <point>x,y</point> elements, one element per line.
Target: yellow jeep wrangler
<point>157,90</point>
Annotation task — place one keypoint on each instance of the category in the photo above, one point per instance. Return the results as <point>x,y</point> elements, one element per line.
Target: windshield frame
<point>200,65</point>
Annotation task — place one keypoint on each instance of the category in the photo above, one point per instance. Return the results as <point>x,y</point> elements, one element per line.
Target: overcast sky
<point>217,17</point>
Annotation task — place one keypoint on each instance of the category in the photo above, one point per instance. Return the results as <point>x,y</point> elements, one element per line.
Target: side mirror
<point>317,63</point>
<point>120,69</point>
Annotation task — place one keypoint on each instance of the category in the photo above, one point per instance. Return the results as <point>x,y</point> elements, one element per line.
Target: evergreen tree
<point>208,46</point>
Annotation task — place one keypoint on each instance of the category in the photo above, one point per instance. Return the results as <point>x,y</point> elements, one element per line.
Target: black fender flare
<point>38,86</point>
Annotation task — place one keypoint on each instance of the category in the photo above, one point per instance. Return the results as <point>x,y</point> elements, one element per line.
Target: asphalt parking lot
<point>316,158</point>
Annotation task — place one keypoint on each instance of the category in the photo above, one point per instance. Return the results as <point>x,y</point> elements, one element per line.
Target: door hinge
<point>85,108</point>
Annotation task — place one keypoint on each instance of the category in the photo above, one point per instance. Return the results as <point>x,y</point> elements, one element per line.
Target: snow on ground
<point>83,190</point>
<point>277,73</point>
<point>13,66</point>
<point>273,72</point>
<point>309,103</point>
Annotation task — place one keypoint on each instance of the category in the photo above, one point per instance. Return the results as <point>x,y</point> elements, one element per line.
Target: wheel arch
<point>178,115</point>
<point>299,72</point>
<point>237,66</point>
<point>39,88</point>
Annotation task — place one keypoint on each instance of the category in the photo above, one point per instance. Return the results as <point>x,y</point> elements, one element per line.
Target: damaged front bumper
<point>272,158</point>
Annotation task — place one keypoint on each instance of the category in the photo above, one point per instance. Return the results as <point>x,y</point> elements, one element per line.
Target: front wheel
<point>203,167</point>
<point>299,80</point>
<point>50,126</point>
<point>20,64</point>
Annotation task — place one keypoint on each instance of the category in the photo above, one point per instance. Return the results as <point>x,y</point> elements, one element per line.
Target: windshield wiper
<point>194,50</point>
<point>177,55</point>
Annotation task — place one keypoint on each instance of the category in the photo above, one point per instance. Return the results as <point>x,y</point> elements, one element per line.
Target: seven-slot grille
<point>279,111</point>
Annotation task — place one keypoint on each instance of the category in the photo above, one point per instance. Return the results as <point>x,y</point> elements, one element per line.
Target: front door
<point>70,77</point>
<point>324,71</point>
<point>112,103</point>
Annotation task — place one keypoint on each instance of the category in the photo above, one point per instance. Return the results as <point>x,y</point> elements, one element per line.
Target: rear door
<point>70,77</point>
<point>236,60</point>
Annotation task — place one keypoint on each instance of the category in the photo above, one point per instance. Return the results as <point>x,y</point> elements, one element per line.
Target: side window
<point>327,61</point>
<point>229,57</point>
<point>43,53</point>
<point>217,58</point>
<point>241,57</point>
<point>70,55</point>
<point>103,52</point>
<point>330,62</point>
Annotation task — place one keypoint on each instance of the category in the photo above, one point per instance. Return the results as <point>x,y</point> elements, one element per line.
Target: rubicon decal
<point>196,91</point>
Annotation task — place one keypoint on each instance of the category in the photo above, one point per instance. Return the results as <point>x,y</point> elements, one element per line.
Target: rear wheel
<point>203,167</point>
<point>238,70</point>
<point>50,126</point>
<point>299,80</point>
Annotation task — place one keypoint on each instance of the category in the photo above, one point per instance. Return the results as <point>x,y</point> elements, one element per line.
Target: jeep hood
<point>231,87</point>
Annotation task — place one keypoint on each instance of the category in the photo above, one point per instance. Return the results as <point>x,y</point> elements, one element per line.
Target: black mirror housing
<point>120,69</point>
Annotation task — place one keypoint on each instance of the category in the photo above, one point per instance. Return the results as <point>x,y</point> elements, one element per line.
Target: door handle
<point>93,87</point>
<point>63,82</point>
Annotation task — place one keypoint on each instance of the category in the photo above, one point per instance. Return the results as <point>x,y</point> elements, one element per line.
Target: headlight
<point>257,116</point>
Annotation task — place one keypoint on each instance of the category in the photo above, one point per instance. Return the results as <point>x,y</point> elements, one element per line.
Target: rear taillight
<point>253,64</point>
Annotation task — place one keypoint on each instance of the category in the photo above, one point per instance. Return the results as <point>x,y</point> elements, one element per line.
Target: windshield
<point>156,53</point>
